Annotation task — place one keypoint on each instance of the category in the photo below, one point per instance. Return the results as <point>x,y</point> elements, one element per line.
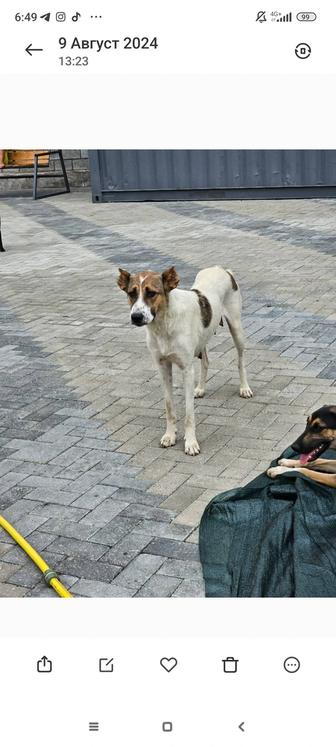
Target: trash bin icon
<point>230,665</point>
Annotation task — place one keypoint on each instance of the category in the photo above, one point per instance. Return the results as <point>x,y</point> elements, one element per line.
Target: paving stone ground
<point>81,471</point>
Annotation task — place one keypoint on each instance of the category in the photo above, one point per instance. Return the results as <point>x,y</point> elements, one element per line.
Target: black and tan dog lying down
<point>276,538</point>
<point>319,435</point>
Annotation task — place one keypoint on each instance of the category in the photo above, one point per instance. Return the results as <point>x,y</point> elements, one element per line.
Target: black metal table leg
<point>1,244</point>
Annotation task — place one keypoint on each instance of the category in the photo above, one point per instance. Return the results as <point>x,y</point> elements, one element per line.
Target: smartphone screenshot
<point>167,374</point>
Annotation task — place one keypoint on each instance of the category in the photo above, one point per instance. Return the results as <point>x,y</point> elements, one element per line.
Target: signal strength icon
<point>46,16</point>
<point>285,19</point>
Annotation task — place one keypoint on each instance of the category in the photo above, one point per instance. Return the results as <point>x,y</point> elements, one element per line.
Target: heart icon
<point>168,664</point>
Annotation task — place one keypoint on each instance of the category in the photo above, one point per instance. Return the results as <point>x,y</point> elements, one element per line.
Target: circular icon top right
<point>292,664</point>
<point>303,50</point>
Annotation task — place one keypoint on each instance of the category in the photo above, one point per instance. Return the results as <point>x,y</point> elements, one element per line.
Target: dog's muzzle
<point>138,319</point>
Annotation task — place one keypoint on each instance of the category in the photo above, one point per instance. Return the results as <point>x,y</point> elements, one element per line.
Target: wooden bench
<point>33,161</point>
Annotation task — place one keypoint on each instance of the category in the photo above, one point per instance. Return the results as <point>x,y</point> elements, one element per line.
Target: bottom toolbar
<point>167,692</point>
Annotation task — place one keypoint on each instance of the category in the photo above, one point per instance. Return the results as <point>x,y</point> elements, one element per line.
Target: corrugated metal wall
<point>140,174</point>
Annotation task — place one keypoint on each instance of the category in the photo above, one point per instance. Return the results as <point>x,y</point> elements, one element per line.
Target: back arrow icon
<point>241,726</point>
<point>30,49</point>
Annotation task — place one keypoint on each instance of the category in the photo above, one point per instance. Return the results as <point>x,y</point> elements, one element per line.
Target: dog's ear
<point>123,279</point>
<point>170,279</point>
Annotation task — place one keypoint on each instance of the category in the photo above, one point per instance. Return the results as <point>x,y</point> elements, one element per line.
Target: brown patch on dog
<point>317,423</point>
<point>153,293</point>
<point>170,279</point>
<point>233,280</point>
<point>329,433</point>
<point>205,308</point>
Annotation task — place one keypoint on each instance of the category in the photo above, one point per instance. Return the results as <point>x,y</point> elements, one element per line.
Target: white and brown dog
<point>180,324</point>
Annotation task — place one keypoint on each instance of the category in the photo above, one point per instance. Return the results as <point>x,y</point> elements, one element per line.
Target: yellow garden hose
<point>50,576</point>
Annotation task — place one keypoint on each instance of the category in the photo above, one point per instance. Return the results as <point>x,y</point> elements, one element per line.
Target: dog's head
<point>320,433</point>
<point>147,293</point>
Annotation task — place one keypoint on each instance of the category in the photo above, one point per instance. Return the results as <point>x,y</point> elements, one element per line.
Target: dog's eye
<point>151,294</point>
<point>133,295</point>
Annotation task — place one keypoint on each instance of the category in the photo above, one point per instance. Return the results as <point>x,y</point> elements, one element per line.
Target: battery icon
<point>306,16</point>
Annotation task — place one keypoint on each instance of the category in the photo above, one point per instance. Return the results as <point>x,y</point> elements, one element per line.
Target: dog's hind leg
<point>191,446</point>
<point>232,315</point>
<point>169,438</point>
<point>200,389</point>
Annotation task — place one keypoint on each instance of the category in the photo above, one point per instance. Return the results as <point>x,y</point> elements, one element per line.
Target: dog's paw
<point>276,471</point>
<point>169,439</point>
<point>199,392</point>
<point>245,392</point>
<point>287,462</point>
<point>191,447</point>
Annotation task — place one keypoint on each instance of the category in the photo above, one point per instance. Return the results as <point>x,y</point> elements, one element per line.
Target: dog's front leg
<point>191,446</point>
<point>169,438</point>
<point>329,480</point>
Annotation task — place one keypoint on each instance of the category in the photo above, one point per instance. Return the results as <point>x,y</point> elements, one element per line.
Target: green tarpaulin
<point>272,538</point>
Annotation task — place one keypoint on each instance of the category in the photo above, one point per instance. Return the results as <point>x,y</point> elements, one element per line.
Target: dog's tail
<point>234,283</point>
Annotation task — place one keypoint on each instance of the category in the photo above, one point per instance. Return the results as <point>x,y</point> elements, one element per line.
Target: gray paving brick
<point>27,576</point>
<point>28,523</point>
<point>190,588</point>
<point>20,508</point>
<point>114,531</point>
<point>77,548</point>
<point>134,495</point>
<point>56,510</point>
<point>162,529</point>
<point>11,590</point>
<point>172,549</point>
<point>10,480</point>
<point>13,495</point>
<point>42,470</point>
<point>159,586</point>
<point>181,498</point>
<point>139,571</point>
<point>141,511</point>
<point>44,495</point>
<point>70,456</point>
<point>15,556</point>
<point>181,569</point>
<point>128,548</point>
<point>89,588</point>
<point>52,483</point>
<point>41,590</point>
<point>4,546</point>
<point>105,512</point>
<point>169,483</point>
<point>83,483</point>
<point>92,570</point>
<point>95,496</point>
<point>40,540</point>
<point>100,444</point>
<point>7,570</point>
<point>121,481</point>
<point>66,528</point>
